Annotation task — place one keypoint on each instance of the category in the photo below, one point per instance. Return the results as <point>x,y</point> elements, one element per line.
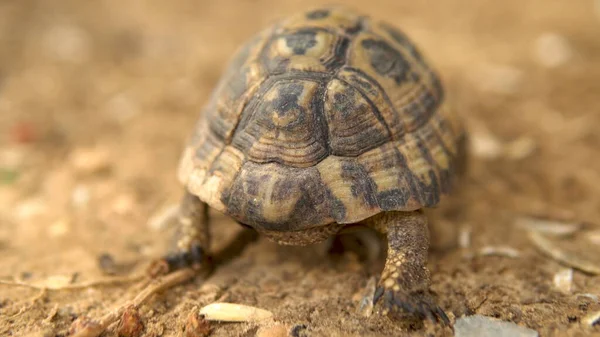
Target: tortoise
<point>326,119</point>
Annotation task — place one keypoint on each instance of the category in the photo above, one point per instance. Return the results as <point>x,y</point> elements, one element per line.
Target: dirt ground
<point>98,98</point>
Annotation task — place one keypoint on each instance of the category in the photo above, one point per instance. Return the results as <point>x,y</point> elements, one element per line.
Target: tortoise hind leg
<point>192,238</point>
<point>403,288</point>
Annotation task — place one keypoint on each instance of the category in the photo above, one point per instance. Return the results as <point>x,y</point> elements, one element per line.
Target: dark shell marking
<point>327,117</point>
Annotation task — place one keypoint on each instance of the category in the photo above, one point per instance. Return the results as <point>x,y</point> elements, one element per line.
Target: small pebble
<point>80,197</point>
<point>67,43</point>
<point>131,324</point>
<point>464,237</point>
<point>58,228</point>
<point>121,108</point>
<point>90,160</point>
<point>230,312</point>
<point>30,208</point>
<point>591,319</point>
<point>55,281</point>
<point>299,330</point>
<point>500,79</point>
<point>520,148</point>
<point>196,326</point>
<point>552,50</point>
<point>23,133</point>
<point>478,326</point>
<point>485,146</point>
<point>563,280</point>
<point>107,264</point>
<point>124,204</point>
<point>12,157</point>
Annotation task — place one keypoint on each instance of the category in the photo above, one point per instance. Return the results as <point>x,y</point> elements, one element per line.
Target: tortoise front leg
<point>192,238</point>
<point>404,284</point>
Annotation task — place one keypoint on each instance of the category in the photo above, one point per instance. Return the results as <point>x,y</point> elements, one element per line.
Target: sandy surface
<point>96,102</point>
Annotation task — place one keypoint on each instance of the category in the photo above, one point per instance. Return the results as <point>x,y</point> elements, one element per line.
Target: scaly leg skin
<point>192,238</point>
<point>404,285</point>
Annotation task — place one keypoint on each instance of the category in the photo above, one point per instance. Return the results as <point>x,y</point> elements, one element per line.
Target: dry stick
<point>169,280</point>
<point>82,285</point>
<point>226,254</point>
<point>546,246</point>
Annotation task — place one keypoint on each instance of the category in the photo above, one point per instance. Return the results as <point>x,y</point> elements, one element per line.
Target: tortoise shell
<point>325,117</point>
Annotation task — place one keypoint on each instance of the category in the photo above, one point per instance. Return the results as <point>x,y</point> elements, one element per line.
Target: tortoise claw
<point>417,304</point>
<point>194,258</point>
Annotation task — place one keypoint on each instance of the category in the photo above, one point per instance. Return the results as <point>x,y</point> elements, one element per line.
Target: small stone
<point>500,79</point>
<point>477,326</point>
<point>485,146</point>
<point>80,196</point>
<point>464,237</point>
<point>131,324</point>
<point>277,330</point>
<point>591,319</point>
<point>67,43</point>
<point>124,204</point>
<point>58,228</point>
<point>196,326</point>
<point>55,281</point>
<point>122,108</point>
<point>552,50</point>
<point>520,148</point>
<point>30,208</point>
<point>107,264</point>
<point>563,280</point>
<point>90,160</point>
<point>23,132</point>
<point>12,157</point>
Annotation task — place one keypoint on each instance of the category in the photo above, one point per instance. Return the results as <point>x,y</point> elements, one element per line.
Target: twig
<point>82,285</point>
<point>546,246</point>
<point>97,327</point>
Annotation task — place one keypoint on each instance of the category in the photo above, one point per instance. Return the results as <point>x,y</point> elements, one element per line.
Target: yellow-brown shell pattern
<point>326,117</point>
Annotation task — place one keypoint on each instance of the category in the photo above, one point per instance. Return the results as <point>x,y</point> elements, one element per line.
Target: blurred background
<point>97,99</point>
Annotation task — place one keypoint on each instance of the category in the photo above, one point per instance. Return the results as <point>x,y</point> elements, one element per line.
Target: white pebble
<point>12,157</point>
<point>58,228</point>
<point>477,326</point>
<point>563,280</point>
<point>464,237</point>
<point>80,197</point>
<point>122,108</point>
<point>500,79</point>
<point>591,319</point>
<point>90,160</point>
<point>552,50</point>
<point>520,148</point>
<point>485,146</point>
<point>30,208</point>
<point>67,43</point>
<point>230,312</point>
